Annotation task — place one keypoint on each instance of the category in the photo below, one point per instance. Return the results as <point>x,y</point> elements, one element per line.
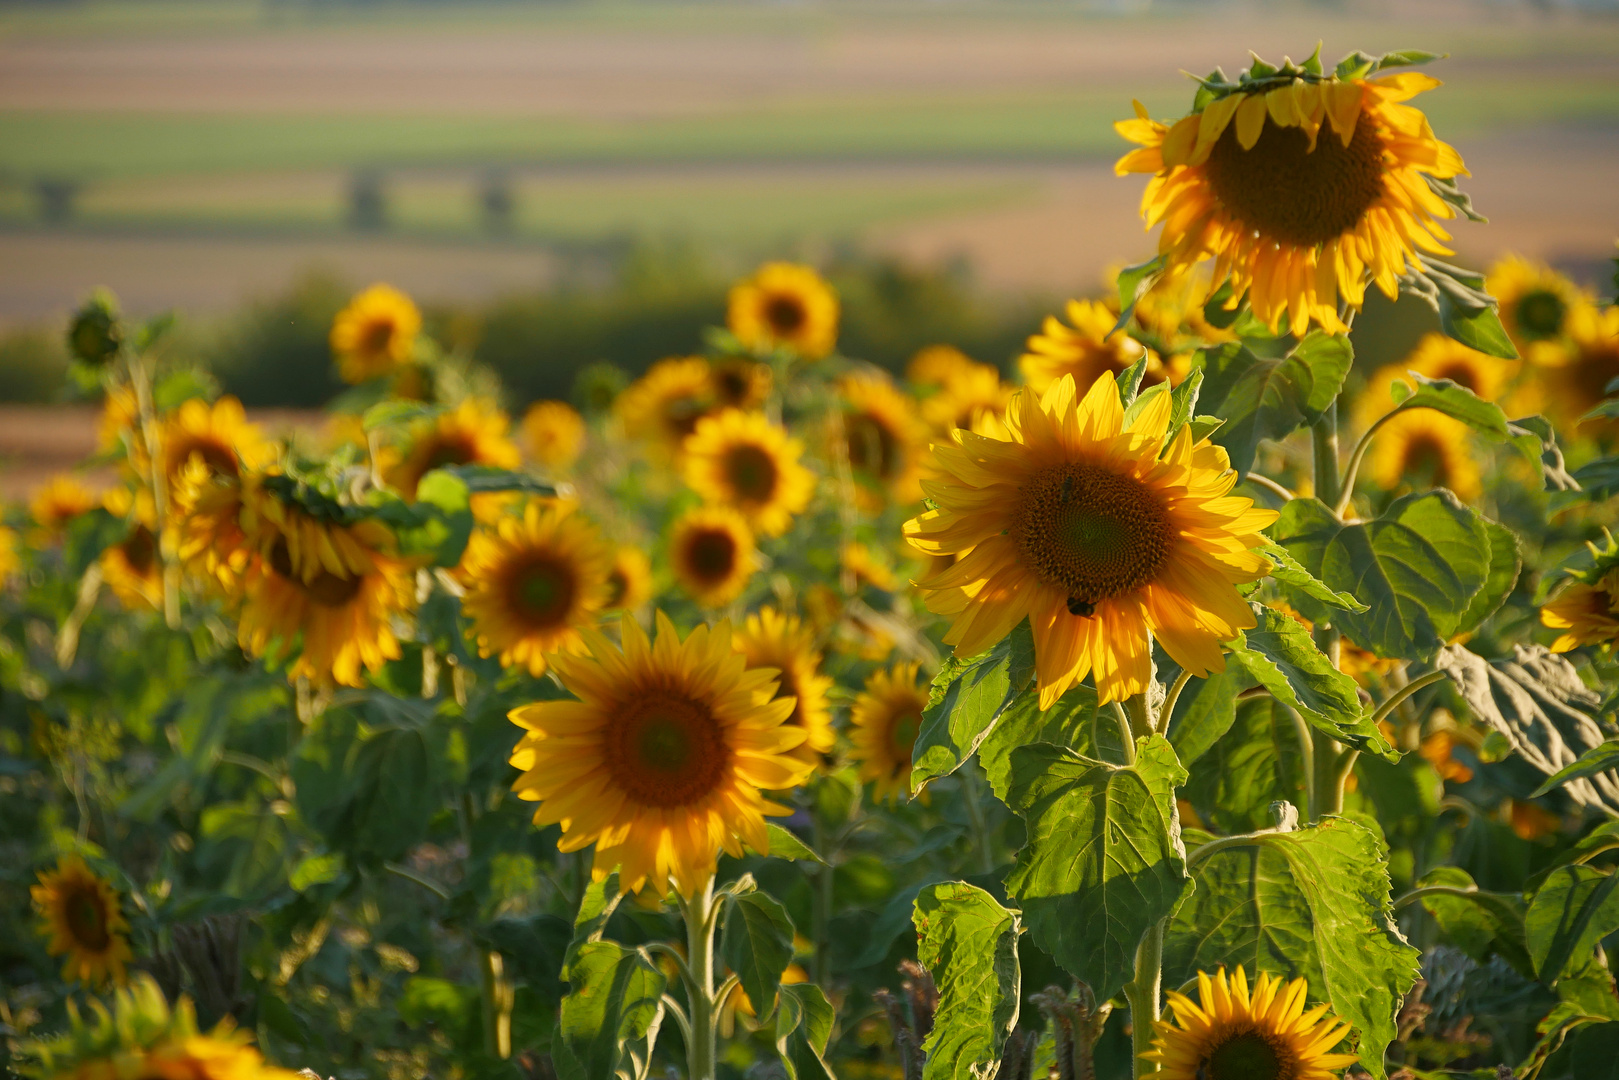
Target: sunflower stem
<point>1143,994</point>
<point>972,791</point>
<point>1324,442</point>
<point>821,905</point>
<point>1140,720</point>
<point>701,914</point>
<point>1306,755</point>
<point>140,383</point>
<point>1167,710</point>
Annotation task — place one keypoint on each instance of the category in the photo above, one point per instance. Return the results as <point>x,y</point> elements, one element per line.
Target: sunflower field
<point>1187,702</point>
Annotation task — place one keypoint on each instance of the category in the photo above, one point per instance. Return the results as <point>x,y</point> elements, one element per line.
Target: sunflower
<point>1580,383</point>
<point>784,305</point>
<point>1293,219</point>
<point>1171,313</point>
<point>883,438</point>
<point>79,912</point>
<point>1437,356</point>
<point>965,396</point>
<point>120,414</point>
<point>218,434</point>
<point>473,433</point>
<point>936,365</point>
<point>661,760</point>
<point>1535,304</point>
<point>629,582</point>
<point>1087,350</point>
<point>1587,612</point>
<point>554,434</point>
<point>884,723</point>
<point>58,501</point>
<point>739,382</point>
<point>1096,532</point>
<point>375,333</point>
<point>743,461</point>
<point>867,567</point>
<point>663,406</point>
<point>329,590</point>
<point>711,549</point>
<point>1424,448</point>
<point>1232,1035</point>
<point>533,581</point>
<point>771,639</point>
<point>133,568</point>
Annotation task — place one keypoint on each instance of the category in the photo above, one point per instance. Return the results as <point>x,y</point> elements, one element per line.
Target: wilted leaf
<point>968,943</point>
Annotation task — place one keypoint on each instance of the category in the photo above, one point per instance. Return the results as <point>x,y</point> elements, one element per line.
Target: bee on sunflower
<point>883,725</point>
<point>712,553</point>
<point>1300,185</point>
<point>79,913</point>
<point>782,643</point>
<point>375,334</point>
<point>784,305</point>
<point>662,760</point>
<point>1099,532</point>
<point>1232,1034</point>
<point>743,461</point>
<point>1087,349</point>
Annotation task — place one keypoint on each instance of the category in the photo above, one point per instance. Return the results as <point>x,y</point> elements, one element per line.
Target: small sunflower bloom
<point>662,407</point>
<point>884,723</point>
<point>629,582</point>
<point>58,501</point>
<point>936,365</point>
<point>739,382</point>
<point>784,305</point>
<point>553,434</point>
<point>1535,303</point>
<point>133,567</point>
<point>712,552</point>
<point>743,461</point>
<point>375,334</point>
<point>1586,611</point>
<point>662,760</point>
<point>79,913</point>
<point>1579,383</point>
<point>1422,448</point>
<point>966,396</point>
<point>1086,348</point>
<point>883,437</point>
<point>1299,187</point>
<point>1230,1034</point>
<point>472,433</point>
<point>781,642</point>
<point>1437,356</point>
<point>1098,533</point>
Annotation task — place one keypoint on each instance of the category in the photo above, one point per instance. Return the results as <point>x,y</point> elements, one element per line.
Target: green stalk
<point>820,901</point>
<point>972,790</point>
<point>1143,993</point>
<point>1324,444</point>
<point>702,1049</point>
<point>1328,796</point>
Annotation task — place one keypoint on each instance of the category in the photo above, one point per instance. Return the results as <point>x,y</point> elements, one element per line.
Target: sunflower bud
<point>97,333</point>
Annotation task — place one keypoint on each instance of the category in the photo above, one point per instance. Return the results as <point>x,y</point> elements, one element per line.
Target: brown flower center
<point>453,449</point>
<point>666,750</point>
<point>1248,1055</point>
<point>1539,314</point>
<point>326,588</point>
<point>86,917</point>
<point>377,336</point>
<point>785,314</point>
<point>1461,373</point>
<point>1092,532</point>
<point>681,414</point>
<point>542,592</point>
<point>872,447</point>
<point>903,726</point>
<point>751,472</point>
<point>219,457</point>
<point>1288,193</point>
<point>618,587</point>
<point>140,550</point>
<point>1425,460</point>
<point>711,554</point>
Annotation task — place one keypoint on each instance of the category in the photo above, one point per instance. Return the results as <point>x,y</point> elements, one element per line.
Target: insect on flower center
<point>785,314</point>
<point>542,592</point>
<point>1247,1056</point>
<point>1540,314</point>
<point>1092,532</point>
<point>325,588</point>
<point>86,917</point>
<point>666,750</point>
<point>711,554</point>
<point>1289,193</point>
<point>751,472</point>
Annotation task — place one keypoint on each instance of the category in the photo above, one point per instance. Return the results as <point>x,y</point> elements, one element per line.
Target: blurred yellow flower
<point>79,913</point>
<point>883,437</point>
<point>1086,349</point>
<point>771,639</point>
<point>554,434</point>
<point>1422,448</point>
<point>1579,383</point>
<point>711,551</point>
<point>58,501</point>
<point>784,305</point>
<point>883,725</point>
<point>1535,304</point>
<point>663,406</point>
<point>1586,612</point>
<point>964,397</point>
<point>629,582</point>
<point>1437,356</point>
<point>936,365</point>
<point>743,461</point>
<point>375,333</point>
<point>473,433</point>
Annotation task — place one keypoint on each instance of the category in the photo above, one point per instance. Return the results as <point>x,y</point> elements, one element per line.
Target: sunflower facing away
<point>1535,304</point>
<point>629,582</point>
<point>554,434</point>
<point>883,726</point>
<point>1437,357</point>
<point>375,333</point>
<point>329,591</point>
<point>473,433</point>
<point>1421,448</point>
<point>771,639</point>
<point>883,437</point>
<point>1297,186</point>
<point>533,581</point>
<point>784,305</point>
<point>1087,350</point>
<point>1230,1034</point>
<point>1586,611</point>
<point>661,760</point>
<point>1096,532</point>
<point>711,550</point>
<point>743,461</point>
<point>79,912</point>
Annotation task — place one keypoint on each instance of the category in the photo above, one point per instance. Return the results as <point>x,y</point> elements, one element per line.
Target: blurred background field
<point>568,181</point>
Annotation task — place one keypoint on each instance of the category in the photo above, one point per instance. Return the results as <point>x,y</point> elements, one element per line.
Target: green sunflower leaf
<point>1270,397</point>
<point>610,1018</point>
<point>1506,563</point>
<point>1071,721</point>
<point>1134,282</point>
<point>1575,908</point>
<point>1203,713</point>
<point>968,942</point>
<point>1103,861</point>
<point>1478,922</point>
<point>1452,399</point>
<point>1406,58</point>
<point>1129,381</point>
<point>1295,578</point>
<point>1466,311</point>
<point>967,698</point>
<point>1598,759</point>
<point>1417,567</point>
<point>803,1027</point>
<point>1312,903</point>
<point>1184,402</point>
<point>757,944</point>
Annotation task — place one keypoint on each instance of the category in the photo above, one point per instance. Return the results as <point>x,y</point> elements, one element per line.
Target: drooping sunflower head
<point>1587,610</point>
<point>218,435</point>
<point>79,913</point>
<point>1536,302</point>
<point>58,501</point>
<point>784,305</point>
<point>661,761</point>
<point>883,727</point>
<point>883,437</point>
<point>1099,533</point>
<point>772,639</point>
<point>472,433</point>
<point>743,461</point>
<point>1579,383</point>
<point>1299,184</point>
<point>534,581</point>
<point>326,588</point>
<point>629,582</point>
<point>712,553</point>
<point>1231,1034</point>
<point>663,406</point>
<point>554,434</point>
<point>739,382</point>
<point>1421,448</point>
<point>1438,357</point>
<point>935,365</point>
<point>375,333</point>
<point>1086,350</point>
<point>964,397</point>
